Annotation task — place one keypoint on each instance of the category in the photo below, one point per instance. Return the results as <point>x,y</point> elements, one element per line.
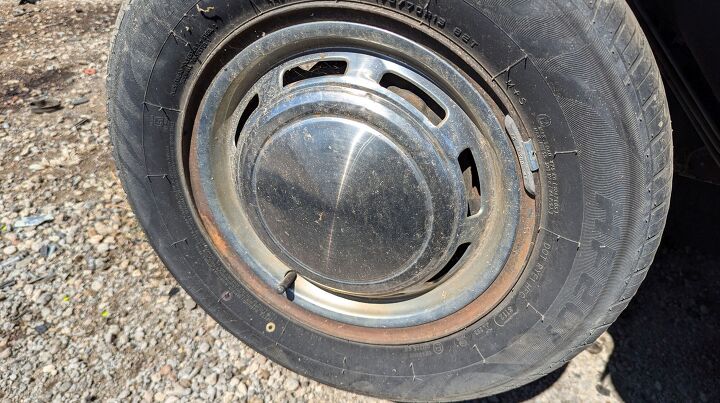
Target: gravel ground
<point>87,310</point>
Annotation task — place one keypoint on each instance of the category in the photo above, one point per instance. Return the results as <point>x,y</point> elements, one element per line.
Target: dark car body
<point>685,37</point>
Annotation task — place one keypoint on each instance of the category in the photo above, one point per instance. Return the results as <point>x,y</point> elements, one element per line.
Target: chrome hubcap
<point>363,176</point>
<point>347,180</point>
<point>343,203</point>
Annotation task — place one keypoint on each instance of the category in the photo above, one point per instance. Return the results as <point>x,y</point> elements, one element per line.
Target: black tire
<point>584,82</point>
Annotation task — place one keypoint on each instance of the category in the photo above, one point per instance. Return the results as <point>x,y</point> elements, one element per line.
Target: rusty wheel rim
<point>226,102</point>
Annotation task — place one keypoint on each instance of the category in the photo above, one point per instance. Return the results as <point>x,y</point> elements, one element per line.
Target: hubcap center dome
<point>342,201</point>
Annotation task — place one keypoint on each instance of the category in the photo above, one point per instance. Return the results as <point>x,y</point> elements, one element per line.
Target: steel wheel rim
<point>425,305</point>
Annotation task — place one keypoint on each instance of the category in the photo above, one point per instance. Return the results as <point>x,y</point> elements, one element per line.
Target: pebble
<point>9,250</point>
<point>33,221</point>
<point>47,250</point>
<point>49,369</point>
<point>292,384</point>
<point>211,379</point>
<point>44,298</point>
<point>96,285</point>
<point>6,353</point>
<point>112,333</point>
<point>241,390</point>
<point>79,101</point>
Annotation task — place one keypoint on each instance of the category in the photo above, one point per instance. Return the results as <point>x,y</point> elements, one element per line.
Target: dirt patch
<point>18,82</point>
<point>47,46</point>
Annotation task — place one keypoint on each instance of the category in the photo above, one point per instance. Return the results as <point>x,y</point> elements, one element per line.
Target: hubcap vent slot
<point>417,97</point>
<point>471,179</point>
<point>313,70</point>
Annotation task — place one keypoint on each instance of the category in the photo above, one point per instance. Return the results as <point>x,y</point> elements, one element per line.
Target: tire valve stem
<point>286,282</point>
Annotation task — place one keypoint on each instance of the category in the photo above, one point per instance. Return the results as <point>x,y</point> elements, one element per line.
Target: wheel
<point>415,203</point>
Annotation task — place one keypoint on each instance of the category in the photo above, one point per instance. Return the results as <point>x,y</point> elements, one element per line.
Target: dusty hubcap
<point>364,177</point>
<point>344,203</point>
<point>343,176</point>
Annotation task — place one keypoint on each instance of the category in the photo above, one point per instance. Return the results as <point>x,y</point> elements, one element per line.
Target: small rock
<point>96,239</point>
<point>122,339</point>
<point>211,379</point>
<point>11,261</point>
<point>44,356</point>
<point>204,347</point>
<point>96,285</point>
<point>33,221</point>
<point>241,391</point>
<point>49,369</point>
<point>602,390</point>
<point>165,370</point>
<point>189,304</point>
<point>44,298</point>
<point>40,329</point>
<point>79,101</point>
<point>211,391</point>
<point>102,228</point>
<point>9,250</point>
<point>103,247</point>
<point>47,250</point>
<point>292,384</point>
<point>112,333</point>
<point>228,397</point>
